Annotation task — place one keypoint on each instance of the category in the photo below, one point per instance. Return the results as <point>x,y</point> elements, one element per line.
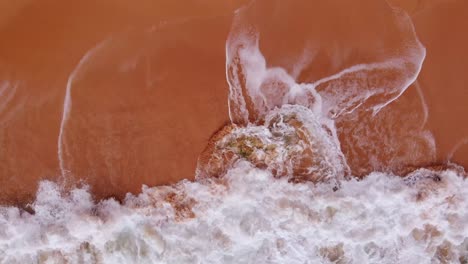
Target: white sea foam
<point>248,217</point>
<point>354,99</point>
<point>79,69</point>
<point>256,89</point>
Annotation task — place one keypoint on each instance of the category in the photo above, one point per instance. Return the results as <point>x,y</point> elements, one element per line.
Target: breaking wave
<point>248,216</point>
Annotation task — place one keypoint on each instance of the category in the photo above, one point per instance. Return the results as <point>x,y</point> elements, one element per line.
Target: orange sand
<point>146,102</point>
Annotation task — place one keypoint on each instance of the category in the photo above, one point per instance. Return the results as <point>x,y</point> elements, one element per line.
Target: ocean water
<point>279,184</point>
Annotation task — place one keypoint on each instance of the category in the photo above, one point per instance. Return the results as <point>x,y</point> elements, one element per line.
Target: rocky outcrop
<point>288,144</point>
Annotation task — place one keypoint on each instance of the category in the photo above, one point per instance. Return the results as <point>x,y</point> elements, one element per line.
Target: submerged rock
<point>290,143</point>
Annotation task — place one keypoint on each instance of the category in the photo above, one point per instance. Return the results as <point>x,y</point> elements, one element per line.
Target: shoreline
<point>144,106</point>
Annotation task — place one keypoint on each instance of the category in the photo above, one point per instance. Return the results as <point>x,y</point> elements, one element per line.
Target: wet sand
<point>151,88</point>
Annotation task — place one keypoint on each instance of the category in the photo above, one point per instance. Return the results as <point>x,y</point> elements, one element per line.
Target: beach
<point>147,87</point>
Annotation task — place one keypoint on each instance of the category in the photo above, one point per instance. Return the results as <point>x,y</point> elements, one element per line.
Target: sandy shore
<point>147,87</point>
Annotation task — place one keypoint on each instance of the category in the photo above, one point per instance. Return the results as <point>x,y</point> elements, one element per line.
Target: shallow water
<point>153,87</point>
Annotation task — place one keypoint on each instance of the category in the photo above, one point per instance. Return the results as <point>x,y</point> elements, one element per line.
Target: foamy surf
<point>248,217</point>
